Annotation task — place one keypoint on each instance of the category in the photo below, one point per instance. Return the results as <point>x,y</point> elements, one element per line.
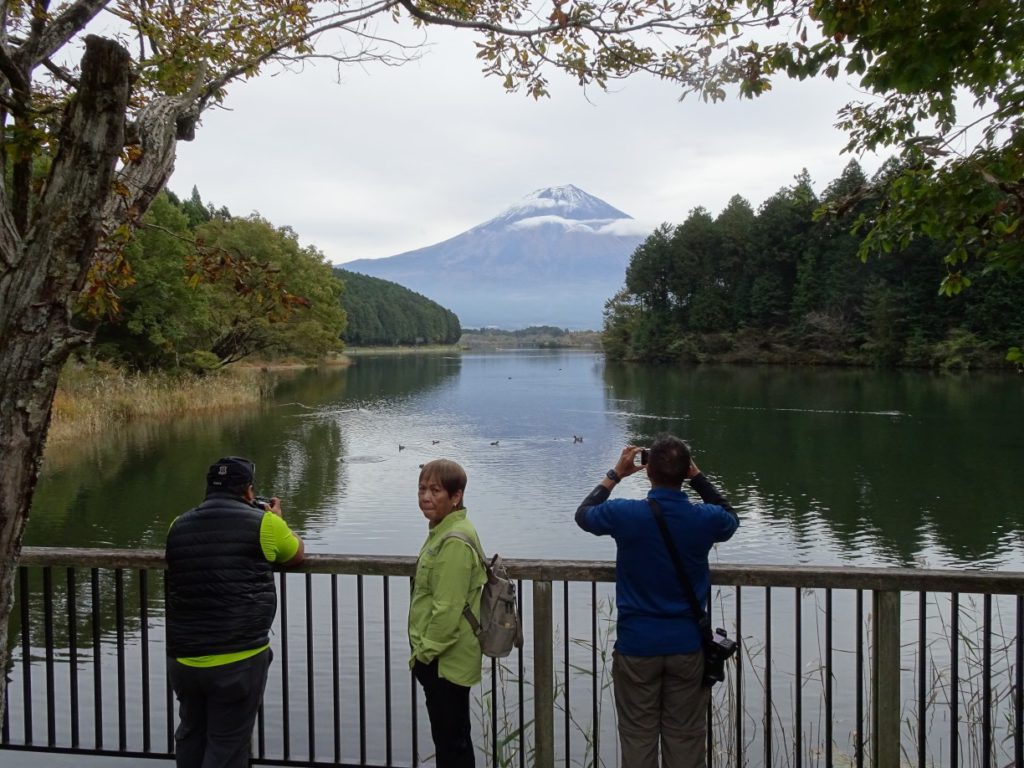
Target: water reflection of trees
<point>126,490</point>
<point>390,376</point>
<point>907,461</point>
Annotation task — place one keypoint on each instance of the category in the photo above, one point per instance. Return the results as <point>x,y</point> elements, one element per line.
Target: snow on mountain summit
<point>567,205</point>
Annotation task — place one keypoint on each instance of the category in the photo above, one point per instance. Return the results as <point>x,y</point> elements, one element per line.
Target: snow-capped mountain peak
<point>553,258</point>
<point>551,204</point>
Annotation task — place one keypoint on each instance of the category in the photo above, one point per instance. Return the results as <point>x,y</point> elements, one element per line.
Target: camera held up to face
<point>641,457</point>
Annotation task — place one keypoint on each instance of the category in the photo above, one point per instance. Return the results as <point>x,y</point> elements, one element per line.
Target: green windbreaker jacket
<point>448,577</point>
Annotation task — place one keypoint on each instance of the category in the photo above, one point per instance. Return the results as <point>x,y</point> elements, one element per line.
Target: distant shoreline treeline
<point>780,286</point>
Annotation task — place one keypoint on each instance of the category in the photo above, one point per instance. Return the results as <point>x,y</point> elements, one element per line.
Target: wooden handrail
<point>797,576</point>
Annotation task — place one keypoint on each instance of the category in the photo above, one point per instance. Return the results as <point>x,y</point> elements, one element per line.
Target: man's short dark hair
<point>668,462</point>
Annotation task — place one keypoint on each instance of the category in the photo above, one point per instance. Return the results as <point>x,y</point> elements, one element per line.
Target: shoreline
<point>92,398</point>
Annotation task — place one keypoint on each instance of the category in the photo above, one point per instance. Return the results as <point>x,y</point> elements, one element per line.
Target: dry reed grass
<point>93,399</point>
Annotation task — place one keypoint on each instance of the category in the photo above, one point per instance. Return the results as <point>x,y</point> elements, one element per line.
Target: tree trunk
<point>39,275</point>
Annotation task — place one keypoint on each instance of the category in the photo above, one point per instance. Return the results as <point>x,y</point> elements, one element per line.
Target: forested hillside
<point>199,288</point>
<point>382,313</point>
<point>779,285</point>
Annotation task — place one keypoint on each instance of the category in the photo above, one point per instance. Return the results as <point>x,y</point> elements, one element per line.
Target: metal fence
<point>838,666</point>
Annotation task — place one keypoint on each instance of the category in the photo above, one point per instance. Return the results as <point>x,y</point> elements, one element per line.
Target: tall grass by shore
<point>94,398</point>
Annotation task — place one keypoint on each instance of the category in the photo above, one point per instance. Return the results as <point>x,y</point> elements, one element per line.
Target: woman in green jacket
<point>445,653</point>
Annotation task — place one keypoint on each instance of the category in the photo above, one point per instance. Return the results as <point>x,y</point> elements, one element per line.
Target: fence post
<point>543,677</point>
<point>885,679</point>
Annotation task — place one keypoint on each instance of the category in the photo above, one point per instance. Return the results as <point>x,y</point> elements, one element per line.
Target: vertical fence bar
<point>73,655</point>
<point>709,731</point>
<point>361,619</point>
<point>168,688</point>
<point>415,719</point>
<point>494,712</point>
<point>595,703</point>
<point>885,688</point>
<point>798,668</point>
<point>5,730</point>
<point>922,669</point>
<point>521,683</point>
<point>97,657</point>
<point>387,671</point>
<point>336,671</point>
<point>954,680</point>
<point>829,709</point>
<point>144,637</point>
<point>122,712</point>
<point>1018,696</point>
<point>768,676</point>
<point>26,652</point>
<point>739,677</point>
<point>51,715</point>
<point>986,681</point>
<point>286,726</point>
<point>415,714</point>
<point>859,704</point>
<point>567,720</point>
<point>310,674</point>
<point>543,677</point>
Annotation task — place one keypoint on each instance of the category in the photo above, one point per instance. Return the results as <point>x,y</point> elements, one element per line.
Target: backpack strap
<point>472,620</point>
<point>703,621</point>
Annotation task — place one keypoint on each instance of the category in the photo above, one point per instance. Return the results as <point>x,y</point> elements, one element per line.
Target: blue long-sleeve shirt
<point>654,616</point>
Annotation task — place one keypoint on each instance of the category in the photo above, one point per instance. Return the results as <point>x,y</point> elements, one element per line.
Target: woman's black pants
<point>448,708</point>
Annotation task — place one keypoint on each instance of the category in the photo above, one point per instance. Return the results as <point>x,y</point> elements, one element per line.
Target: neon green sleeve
<point>278,542</point>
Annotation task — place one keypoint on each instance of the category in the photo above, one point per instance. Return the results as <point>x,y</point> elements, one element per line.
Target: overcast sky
<point>392,159</point>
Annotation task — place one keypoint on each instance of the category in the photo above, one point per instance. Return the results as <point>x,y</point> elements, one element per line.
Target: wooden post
<point>885,679</point>
<point>543,677</point>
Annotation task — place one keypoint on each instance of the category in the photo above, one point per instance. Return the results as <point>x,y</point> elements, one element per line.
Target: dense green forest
<point>382,313</point>
<point>199,288</point>
<point>782,285</point>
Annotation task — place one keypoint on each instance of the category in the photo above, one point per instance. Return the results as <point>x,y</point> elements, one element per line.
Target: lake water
<point>863,467</point>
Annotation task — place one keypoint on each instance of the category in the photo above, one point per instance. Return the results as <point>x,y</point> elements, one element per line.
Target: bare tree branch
<point>60,73</point>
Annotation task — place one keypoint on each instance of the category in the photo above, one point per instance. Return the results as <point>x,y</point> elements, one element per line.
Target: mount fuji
<point>554,258</point>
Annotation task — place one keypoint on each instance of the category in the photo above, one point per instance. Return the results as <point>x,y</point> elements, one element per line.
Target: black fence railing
<point>838,666</point>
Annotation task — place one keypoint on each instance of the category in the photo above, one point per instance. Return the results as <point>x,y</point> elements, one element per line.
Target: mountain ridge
<point>553,258</point>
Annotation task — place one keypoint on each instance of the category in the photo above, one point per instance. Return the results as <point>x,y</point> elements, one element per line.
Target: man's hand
<point>275,506</point>
<point>693,471</point>
<point>626,465</point>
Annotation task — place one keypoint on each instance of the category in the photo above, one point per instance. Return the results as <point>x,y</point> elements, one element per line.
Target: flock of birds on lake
<point>575,439</point>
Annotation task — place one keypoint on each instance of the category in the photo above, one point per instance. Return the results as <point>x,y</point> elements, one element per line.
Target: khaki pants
<point>661,696</point>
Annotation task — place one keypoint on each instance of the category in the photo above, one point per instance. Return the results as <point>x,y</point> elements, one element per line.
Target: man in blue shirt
<point>658,663</point>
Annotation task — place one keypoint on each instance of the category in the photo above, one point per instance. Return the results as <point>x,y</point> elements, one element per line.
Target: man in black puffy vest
<point>221,602</point>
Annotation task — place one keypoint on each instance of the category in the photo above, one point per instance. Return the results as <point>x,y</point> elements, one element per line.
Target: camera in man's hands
<point>265,502</point>
<point>640,459</point>
<point>716,653</point>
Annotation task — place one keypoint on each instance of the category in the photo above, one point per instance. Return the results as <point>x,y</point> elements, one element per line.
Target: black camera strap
<point>703,622</point>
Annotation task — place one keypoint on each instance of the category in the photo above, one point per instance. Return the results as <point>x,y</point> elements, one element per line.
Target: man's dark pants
<point>217,708</point>
<point>448,708</point>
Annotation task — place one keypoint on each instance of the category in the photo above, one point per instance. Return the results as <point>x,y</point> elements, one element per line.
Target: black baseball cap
<point>230,472</point>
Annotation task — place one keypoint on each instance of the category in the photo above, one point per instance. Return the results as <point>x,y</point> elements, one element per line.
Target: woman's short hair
<point>449,474</point>
<point>668,462</point>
